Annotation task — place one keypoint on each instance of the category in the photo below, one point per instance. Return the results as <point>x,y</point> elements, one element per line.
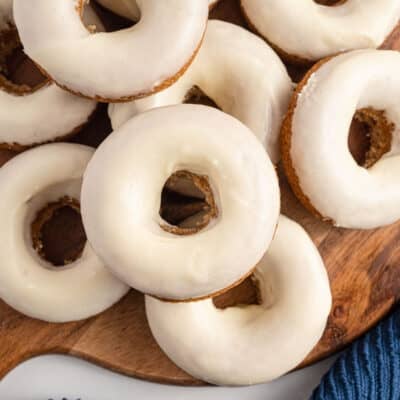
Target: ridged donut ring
<point>256,343</point>
<point>255,87</point>
<point>114,66</point>
<point>28,283</point>
<point>315,152</point>
<point>305,31</point>
<point>121,198</point>
<point>30,116</point>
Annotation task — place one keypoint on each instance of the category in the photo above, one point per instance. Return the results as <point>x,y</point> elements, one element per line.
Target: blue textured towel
<point>369,370</point>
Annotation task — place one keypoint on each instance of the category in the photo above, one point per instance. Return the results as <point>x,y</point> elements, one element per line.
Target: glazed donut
<point>115,66</point>
<point>127,175</point>
<point>254,88</point>
<point>28,283</point>
<point>129,9</point>
<point>257,343</point>
<point>325,176</point>
<point>44,113</point>
<point>305,31</point>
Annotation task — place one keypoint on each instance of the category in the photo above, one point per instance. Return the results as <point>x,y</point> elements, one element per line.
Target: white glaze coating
<point>28,283</point>
<point>45,114</point>
<point>312,31</point>
<point>129,8</point>
<point>354,197</point>
<point>255,87</point>
<point>257,343</point>
<point>121,197</point>
<point>126,63</point>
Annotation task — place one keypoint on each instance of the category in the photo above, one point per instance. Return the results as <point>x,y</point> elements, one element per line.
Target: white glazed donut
<point>256,343</point>
<point>45,113</point>
<point>255,87</point>
<point>112,66</point>
<point>121,197</point>
<point>28,283</point>
<point>311,31</point>
<point>129,8</point>
<point>325,176</point>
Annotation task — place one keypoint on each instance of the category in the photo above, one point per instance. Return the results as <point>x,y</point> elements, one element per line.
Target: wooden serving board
<point>363,267</point>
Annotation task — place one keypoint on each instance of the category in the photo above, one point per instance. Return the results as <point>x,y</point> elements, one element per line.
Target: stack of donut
<point>228,156</point>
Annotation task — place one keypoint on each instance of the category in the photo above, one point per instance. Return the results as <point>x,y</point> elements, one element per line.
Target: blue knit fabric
<point>369,370</point>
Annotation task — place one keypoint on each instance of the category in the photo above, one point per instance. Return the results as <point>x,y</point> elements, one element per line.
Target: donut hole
<point>18,73</point>
<point>112,22</point>
<point>245,294</point>
<point>370,136</point>
<point>196,96</point>
<point>329,2</point>
<point>57,232</point>
<point>187,203</point>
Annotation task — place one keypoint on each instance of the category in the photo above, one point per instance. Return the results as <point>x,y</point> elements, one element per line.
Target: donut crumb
<point>57,232</point>
<point>187,208</point>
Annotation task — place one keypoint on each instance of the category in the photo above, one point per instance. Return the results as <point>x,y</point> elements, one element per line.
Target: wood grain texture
<point>363,267</point>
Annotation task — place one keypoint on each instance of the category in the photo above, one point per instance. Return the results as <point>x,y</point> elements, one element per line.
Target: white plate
<point>58,377</point>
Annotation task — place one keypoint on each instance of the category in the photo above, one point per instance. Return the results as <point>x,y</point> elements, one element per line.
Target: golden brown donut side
<point>286,142</point>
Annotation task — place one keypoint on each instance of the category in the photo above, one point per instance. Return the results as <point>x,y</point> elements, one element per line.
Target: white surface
<point>55,377</point>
